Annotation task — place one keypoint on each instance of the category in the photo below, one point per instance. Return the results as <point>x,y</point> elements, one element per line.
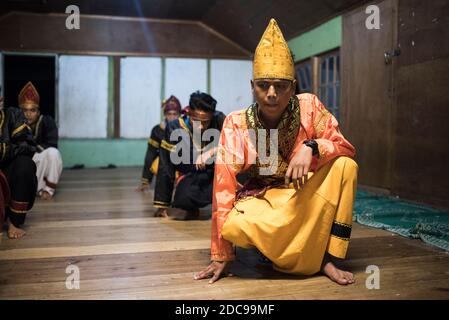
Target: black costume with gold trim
<point>154,143</point>
<point>17,148</point>
<point>45,133</point>
<point>194,187</point>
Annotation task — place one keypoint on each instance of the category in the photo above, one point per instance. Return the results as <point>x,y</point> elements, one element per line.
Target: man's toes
<point>16,234</point>
<point>349,276</point>
<point>342,280</point>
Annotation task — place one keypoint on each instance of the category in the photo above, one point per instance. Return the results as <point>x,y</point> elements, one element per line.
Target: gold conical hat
<point>272,58</point>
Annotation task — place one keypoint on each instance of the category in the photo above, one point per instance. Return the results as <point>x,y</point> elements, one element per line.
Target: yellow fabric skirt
<point>293,228</point>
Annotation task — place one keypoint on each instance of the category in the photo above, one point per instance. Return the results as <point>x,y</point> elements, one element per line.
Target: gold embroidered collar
<point>288,130</point>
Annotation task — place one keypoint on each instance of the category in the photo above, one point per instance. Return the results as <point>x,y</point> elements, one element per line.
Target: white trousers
<point>49,168</point>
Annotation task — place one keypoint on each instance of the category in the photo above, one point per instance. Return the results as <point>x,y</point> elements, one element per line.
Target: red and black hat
<point>171,104</point>
<point>28,96</point>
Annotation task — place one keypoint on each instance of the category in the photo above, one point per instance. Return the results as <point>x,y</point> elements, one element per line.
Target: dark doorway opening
<point>40,70</point>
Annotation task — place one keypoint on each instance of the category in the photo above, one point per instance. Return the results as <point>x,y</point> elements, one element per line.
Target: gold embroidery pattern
<point>288,129</point>
<point>160,204</point>
<point>320,124</point>
<point>229,159</point>
<point>322,152</point>
<point>4,150</point>
<point>2,119</point>
<point>343,224</point>
<point>18,211</point>
<point>344,239</point>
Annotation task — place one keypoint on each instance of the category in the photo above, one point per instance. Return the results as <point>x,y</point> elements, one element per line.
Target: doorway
<point>40,70</point>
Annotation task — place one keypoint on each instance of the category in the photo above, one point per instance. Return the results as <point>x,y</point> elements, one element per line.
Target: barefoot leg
<point>161,213</point>
<point>14,232</point>
<point>335,274</point>
<point>46,196</point>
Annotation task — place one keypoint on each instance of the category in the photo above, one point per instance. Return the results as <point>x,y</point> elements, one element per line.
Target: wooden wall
<point>32,32</point>
<point>397,114</point>
<point>421,127</point>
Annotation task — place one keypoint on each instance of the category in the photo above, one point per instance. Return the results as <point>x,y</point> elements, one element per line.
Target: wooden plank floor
<point>100,224</point>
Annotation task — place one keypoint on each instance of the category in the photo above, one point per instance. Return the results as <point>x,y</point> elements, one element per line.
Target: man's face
<point>31,113</point>
<point>272,95</point>
<point>171,115</point>
<point>201,120</point>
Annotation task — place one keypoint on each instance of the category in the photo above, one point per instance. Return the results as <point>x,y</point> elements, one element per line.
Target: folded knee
<point>231,230</point>
<point>349,166</point>
<point>53,153</point>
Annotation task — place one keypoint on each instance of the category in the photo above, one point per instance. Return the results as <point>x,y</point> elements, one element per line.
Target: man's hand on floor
<point>215,271</point>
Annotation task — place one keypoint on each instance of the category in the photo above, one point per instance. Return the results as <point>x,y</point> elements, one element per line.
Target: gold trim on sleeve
<point>167,146</point>
<point>153,142</point>
<point>18,129</point>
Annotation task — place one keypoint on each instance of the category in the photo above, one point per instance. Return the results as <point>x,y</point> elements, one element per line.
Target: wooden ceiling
<point>243,21</point>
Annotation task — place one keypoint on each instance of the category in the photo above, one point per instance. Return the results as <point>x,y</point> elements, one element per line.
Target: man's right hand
<point>215,271</point>
<point>200,164</point>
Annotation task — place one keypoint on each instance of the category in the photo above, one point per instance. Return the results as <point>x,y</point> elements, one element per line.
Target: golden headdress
<point>272,58</point>
<point>28,96</point>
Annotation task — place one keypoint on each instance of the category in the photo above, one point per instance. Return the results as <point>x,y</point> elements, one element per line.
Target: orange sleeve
<point>331,142</point>
<point>229,162</point>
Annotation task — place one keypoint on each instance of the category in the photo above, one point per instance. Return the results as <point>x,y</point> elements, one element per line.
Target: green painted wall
<point>101,152</point>
<point>321,39</point>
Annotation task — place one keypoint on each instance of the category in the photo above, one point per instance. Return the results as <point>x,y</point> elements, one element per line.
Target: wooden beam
<point>116,132</point>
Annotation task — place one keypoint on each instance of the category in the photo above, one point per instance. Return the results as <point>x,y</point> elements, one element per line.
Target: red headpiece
<point>29,96</point>
<point>170,104</point>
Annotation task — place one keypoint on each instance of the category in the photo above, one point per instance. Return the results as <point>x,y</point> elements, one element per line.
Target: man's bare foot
<point>46,196</point>
<point>337,275</point>
<point>161,213</point>
<point>14,232</point>
<point>143,188</point>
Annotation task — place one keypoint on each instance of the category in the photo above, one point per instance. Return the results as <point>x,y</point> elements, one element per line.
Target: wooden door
<point>367,91</point>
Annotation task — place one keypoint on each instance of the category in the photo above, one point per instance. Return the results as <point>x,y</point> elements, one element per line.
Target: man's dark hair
<point>202,101</point>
